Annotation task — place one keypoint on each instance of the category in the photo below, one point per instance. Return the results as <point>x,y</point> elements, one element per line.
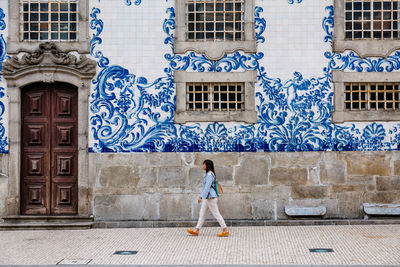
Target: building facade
<point>108,108</point>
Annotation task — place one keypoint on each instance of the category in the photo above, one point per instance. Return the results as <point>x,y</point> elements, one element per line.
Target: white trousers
<point>211,204</point>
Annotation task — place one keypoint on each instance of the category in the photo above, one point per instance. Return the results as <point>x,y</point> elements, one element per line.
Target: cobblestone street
<point>283,245</point>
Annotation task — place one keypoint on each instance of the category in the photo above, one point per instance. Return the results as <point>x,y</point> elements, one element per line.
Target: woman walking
<point>209,200</point>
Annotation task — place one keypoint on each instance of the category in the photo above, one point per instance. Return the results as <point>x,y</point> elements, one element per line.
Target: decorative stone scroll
<point>49,55</point>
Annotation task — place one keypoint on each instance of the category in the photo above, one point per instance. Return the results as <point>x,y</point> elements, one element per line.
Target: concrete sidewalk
<point>273,245</point>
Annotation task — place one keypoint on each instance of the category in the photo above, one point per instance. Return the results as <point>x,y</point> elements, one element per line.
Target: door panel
<point>35,157</point>
<point>64,151</point>
<point>49,150</point>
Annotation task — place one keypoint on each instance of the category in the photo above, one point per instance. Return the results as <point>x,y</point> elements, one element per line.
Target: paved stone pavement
<point>272,245</point>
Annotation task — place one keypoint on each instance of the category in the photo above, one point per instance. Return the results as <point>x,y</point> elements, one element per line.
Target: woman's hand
<point>199,200</point>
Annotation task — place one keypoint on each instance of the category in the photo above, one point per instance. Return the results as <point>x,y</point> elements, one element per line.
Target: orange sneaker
<point>190,231</point>
<point>226,233</point>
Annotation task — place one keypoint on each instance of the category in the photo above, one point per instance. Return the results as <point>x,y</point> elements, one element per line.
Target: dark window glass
<point>377,5</point>
<point>34,16</point>
<point>229,7</point>
<point>199,35</point>
<point>34,7</point>
<point>64,36</point>
<point>34,26</point>
<point>64,6</point>
<point>64,16</point>
<point>44,7</point>
<point>63,26</point>
<point>34,36</point>
<point>73,7</point>
<point>44,36</point>
<point>72,27</point>
<point>54,26</point>
<point>357,5</point>
<point>54,16</point>
<point>44,16</point>
<point>54,7</point>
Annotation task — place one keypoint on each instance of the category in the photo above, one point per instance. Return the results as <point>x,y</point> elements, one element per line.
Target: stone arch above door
<point>47,64</point>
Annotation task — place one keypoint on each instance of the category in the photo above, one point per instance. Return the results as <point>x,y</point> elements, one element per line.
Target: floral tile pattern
<point>3,53</point>
<point>130,113</point>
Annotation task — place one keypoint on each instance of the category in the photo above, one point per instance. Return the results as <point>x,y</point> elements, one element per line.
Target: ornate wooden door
<point>49,149</point>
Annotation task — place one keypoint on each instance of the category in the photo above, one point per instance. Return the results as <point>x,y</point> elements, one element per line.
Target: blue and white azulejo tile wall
<point>132,100</point>
<point>3,97</point>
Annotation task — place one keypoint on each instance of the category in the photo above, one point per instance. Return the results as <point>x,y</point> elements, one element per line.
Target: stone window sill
<point>224,116</point>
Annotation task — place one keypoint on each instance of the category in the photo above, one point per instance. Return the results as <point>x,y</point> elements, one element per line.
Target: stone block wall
<point>257,186</point>
<point>4,180</point>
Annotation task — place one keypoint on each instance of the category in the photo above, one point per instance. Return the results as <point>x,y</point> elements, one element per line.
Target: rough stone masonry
<point>257,186</point>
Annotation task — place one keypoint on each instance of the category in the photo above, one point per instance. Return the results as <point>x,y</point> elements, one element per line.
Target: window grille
<point>44,20</point>
<point>210,20</point>
<point>372,19</point>
<point>215,97</point>
<point>372,96</point>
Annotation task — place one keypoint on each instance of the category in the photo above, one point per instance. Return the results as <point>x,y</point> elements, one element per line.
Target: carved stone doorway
<point>49,67</point>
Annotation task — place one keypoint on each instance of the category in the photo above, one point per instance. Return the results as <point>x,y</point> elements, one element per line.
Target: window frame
<point>50,22</point>
<point>210,92</point>
<point>341,114</point>
<point>214,50</point>
<point>248,115</point>
<point>364,48</point>
<point>16,44</point>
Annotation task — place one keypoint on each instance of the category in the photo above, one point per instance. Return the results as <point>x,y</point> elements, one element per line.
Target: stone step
<point>46,226</point>
<point>40,219</point>
<point>40,222</point>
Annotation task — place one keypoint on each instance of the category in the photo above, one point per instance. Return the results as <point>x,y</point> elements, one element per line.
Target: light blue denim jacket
<point>208,189</point>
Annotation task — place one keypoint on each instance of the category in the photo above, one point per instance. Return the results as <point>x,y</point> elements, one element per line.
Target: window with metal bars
<point>372,96</point>
<point>215,96</point>
<point>372,19</point>
<point>214,27</point>
<point>214,20</point>
<point>44,20</point>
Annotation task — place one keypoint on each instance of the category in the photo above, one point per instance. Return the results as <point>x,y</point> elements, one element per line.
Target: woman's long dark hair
<point>209,165</point>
